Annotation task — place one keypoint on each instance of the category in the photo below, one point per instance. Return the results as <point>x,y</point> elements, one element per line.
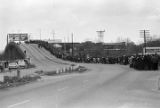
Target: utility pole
<point>145,34</point>
<point>40,33</point>
<point>7,38</point>
<point>64,45</point>
<point>127,41</point>
<point>72,46</point>
<point>20,38</point>
<point>53,34</point>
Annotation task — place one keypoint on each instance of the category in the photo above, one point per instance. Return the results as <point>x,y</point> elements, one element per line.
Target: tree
<point>12,52</point>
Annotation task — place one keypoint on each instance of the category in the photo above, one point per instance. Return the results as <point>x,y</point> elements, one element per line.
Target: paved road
<point>104,86</point>
<point>41,58</point>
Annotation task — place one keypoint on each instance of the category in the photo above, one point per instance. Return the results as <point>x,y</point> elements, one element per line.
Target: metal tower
<point>100,35</point>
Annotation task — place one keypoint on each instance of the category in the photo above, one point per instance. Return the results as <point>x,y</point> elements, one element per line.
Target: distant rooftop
<point>119,43</point>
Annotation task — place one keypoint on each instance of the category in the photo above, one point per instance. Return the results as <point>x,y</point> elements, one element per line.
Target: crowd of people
<point>144,62</point>
<point>102,60</point>
<point>139,62</point>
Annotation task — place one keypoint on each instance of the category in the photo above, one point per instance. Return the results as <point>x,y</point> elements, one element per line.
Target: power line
<point>145,34</point>
<point>72,46</point>
<point>53,34</point>
<point>40,33</point>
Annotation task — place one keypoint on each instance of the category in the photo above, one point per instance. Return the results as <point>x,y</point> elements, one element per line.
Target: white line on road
<point>20,103</point>
<point>61,89</point>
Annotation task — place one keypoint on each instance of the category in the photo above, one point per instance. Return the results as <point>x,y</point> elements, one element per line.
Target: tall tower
<point>100,35</point>
<point>53,34</point>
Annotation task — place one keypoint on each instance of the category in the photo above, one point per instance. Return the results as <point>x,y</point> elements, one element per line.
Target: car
<point>13,65</point>
<point>22,63</point>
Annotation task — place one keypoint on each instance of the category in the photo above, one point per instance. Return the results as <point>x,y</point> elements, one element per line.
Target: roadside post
<point>61,70</point>
<point>72,65</point>
<point>57,71</point>
<point>64,70</point>
<point>18,72</point>
<point>67,69</point>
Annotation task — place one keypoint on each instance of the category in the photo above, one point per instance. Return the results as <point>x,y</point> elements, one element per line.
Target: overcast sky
<point>119,18</point>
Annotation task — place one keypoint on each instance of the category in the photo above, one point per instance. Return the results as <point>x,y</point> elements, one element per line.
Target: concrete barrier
<point>61,70</point>
<point>64,70</point>
<point>67,69</point>
<point>57,71</point>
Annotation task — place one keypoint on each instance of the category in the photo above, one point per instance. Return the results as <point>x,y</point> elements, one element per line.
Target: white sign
<point>18,37</point>
<point>152,50</point>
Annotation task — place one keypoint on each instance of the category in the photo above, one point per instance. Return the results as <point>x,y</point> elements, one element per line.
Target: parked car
<point>22,63</point>
<point>13,65</point>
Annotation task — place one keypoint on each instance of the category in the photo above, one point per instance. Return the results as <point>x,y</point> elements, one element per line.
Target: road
<point>103,86</point>
<point>41,58</point>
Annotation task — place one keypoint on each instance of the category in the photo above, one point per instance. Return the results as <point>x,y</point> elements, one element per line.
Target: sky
<point>119,18</point>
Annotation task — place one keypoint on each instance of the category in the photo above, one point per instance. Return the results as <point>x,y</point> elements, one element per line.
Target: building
<point>151,50</point>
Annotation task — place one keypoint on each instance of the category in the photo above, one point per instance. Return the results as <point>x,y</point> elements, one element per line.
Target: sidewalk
<point>22,71</point>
